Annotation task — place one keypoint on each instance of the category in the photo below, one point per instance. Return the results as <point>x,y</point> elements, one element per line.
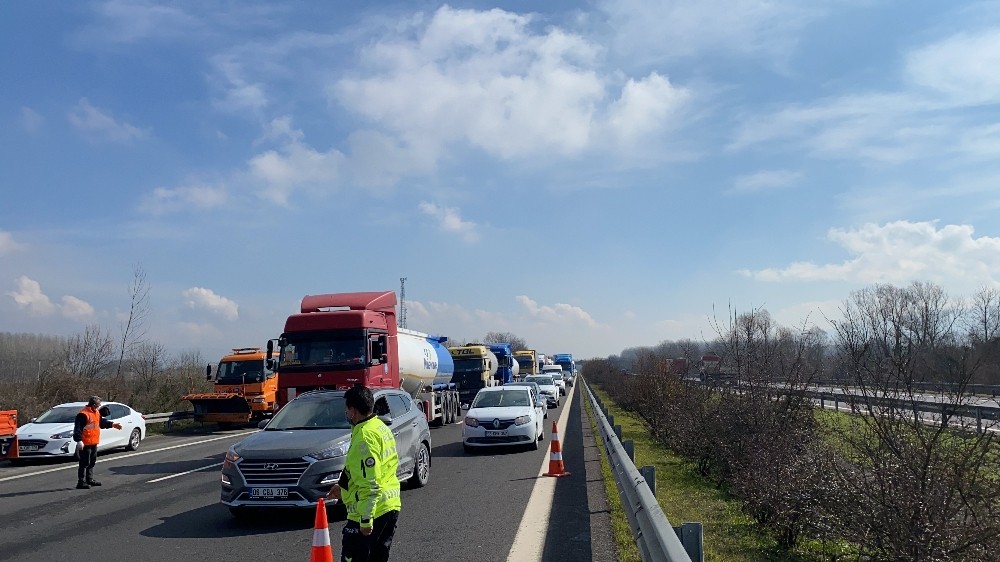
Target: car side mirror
<point>32,420</point>
<point>262,424</point>
<point>386,419</point>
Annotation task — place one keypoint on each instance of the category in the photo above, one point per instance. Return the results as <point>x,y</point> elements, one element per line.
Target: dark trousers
<point>88,458</point>
<point>373,548</point>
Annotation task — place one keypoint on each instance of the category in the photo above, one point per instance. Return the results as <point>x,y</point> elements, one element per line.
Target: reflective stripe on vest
<point>92,430</point>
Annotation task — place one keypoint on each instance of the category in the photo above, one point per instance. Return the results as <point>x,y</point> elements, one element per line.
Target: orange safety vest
<point>91,431</point>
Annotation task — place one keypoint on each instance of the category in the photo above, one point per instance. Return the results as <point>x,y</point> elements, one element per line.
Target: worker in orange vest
<point>87,434</point>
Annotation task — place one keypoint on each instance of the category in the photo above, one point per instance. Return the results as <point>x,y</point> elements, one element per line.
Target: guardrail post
<point>169,422</point>
<point>618,432</point>
<point>649,475</point>
<point>629,446</point>
<point>836,402</point>
<point>611,419</point>
<point>979,419</point>
<point>690,535</point>
<point>822,403</point>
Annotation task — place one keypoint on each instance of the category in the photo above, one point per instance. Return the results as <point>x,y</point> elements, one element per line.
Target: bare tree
<point>516,342</point>
<point>148,362</point>
<point>915,488</point>
<point>133,328</point>
<point>86,355</point>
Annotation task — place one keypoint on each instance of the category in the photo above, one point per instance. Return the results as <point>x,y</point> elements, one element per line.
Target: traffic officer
<point>368,485</point>
<point>87,434</point>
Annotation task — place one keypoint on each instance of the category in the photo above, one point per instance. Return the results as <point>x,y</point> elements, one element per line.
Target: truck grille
<point>269,472</point>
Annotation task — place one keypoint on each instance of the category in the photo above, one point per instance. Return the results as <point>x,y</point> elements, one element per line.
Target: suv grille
<point>286,472</point>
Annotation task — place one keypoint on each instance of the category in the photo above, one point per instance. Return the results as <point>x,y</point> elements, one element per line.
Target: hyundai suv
<point>300,453</point>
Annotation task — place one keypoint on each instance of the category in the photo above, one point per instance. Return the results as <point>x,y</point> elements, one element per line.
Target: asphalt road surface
<point>162,503</point>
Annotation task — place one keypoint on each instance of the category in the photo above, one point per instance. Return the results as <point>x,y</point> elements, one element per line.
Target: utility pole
<point>402,302</point>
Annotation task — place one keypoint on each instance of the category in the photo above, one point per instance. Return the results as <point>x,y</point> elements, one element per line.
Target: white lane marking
<point>530,538</point>
<point>130,455</point>
<point>183,473</point>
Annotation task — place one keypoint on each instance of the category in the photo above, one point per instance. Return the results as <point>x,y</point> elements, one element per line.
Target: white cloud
<point>30,296</point>
<point>765,180</point>
<point>198,297</point>
<point>557,313</point>
<point>898,252</point>
<point>196,332</point>
<point>236,94</point>
<point>98,125</point>
<point>8,245</point>
<point>962,68</point>
<point>75,308</point>
<point>31,120</point>
<point>490,80</point>
<point>194,197</point>
<point>449,220</point>
<point>295,165</point>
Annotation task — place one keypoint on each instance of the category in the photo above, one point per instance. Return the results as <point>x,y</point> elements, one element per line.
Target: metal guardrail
<point>969,411</point>
<point>167,417</point>
<point>657,540</point>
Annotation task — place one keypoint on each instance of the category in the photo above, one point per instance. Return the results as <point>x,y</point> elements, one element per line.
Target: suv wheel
<point>422,467</point>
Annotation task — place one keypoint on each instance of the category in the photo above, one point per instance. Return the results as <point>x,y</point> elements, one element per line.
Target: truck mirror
<point>384,358</point>
<point>208,372</point>
<point>270,363</point>
<point>270,348</point>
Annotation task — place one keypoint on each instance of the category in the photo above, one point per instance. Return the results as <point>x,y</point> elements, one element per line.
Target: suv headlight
<point>521,420</point>
<point>232,455</point>
<point>338,450</point>
<point>471,422</point>
<point>63,435</point>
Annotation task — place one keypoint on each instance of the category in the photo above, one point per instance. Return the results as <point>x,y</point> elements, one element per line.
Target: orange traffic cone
<point>556,467</point>
<point>321,549</point>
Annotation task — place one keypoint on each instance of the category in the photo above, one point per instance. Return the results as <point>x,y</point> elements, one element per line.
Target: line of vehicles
<point>293,387</point>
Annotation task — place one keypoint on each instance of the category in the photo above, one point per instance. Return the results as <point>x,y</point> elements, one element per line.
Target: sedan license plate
<point>496,433</point>
<point>269,493</point>
<point>27,448</point>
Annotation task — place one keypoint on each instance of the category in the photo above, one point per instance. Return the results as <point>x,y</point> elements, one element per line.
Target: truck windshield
<point>306,352</point>
<point>566,366</point>
<point>240,372</point>
<point>469,365</point>
<point>525,362</point>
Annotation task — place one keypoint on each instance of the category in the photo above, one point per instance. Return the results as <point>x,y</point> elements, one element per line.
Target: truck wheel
<point>134,440</point>
<point>422,467</point>
<point>448,412</point>
<point>458,411</point>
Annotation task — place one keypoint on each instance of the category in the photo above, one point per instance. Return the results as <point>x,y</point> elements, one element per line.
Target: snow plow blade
<point>8,434</point>
<point>221,408</point>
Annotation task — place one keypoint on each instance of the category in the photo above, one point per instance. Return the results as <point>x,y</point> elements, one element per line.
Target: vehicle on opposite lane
<point>503,416</point>
<point>50,435</point>
<point>301,452</point>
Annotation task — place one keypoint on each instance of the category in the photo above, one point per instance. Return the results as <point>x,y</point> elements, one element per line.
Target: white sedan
<point>51,434</point>
<point>503,416</point>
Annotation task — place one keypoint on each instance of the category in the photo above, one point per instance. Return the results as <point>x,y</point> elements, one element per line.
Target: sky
<point>590,176</point>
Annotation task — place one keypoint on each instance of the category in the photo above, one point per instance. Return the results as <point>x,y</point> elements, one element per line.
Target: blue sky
<point>588,175</point>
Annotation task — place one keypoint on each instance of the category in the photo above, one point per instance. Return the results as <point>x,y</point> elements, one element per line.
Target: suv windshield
<point>501,398</point>
<point>314,412</point>
<point>59,415</point>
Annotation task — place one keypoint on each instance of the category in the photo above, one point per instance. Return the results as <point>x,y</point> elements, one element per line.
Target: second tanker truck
<point>339,340</point>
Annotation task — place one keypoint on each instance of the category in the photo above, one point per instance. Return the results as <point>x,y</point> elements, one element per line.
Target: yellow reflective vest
<point>371,464</point>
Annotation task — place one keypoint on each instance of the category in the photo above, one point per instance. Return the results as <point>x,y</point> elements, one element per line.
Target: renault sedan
<point>503,416</point>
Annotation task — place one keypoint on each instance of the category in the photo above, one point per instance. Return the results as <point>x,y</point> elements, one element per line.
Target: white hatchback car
<point>51,434</point>
<point>503,416</point>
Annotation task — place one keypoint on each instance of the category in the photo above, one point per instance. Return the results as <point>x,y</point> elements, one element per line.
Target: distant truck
<point>565,360</point>
<point>340,340</point>
<point>245,389</point>
<point>527,362</point>
<point>507,368</point>
<point>475,368</point>
<point>8,434</point>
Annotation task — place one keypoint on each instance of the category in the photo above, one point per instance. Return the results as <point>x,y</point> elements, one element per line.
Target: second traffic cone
<point>321,549</point>
<point>556,467</point>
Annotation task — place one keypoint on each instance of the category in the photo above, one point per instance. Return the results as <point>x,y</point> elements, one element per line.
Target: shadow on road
<point>215,521</point>
<point>568,538</point>
<point>33,492</point>
<point>456,450</point>
<point>165,468</point>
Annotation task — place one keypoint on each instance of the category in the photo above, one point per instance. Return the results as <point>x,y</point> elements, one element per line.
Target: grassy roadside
<point>729,534</point>
<point>626,549</point>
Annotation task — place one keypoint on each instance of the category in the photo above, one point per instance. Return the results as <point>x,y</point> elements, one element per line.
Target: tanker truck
<point>340,340</point>
<point>507,367</point>
<point>245,389</point>
<point>475,368</point>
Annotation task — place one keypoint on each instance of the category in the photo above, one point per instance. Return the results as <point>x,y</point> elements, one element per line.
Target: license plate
<point>27,448</point>
<point>268,493</point>
<point>496,433</point>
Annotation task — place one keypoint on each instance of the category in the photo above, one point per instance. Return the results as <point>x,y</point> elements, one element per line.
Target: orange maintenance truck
<point>245,389</point>
<point>8,434</point>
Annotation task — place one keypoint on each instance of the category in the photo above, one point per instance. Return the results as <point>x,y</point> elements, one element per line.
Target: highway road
<point>162,503</point>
